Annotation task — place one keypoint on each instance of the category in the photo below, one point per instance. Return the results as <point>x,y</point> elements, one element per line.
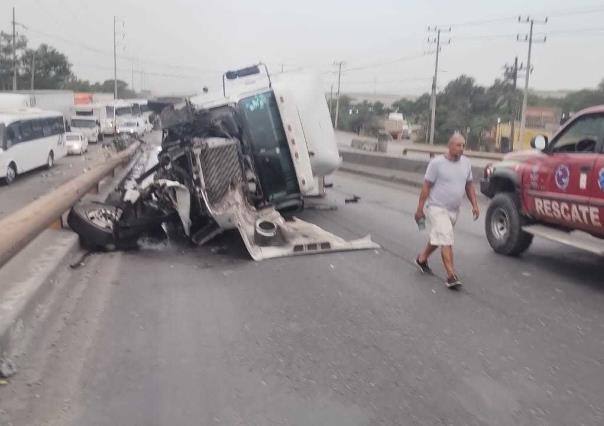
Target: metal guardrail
<point>22,226</point>
<point>435,150</point>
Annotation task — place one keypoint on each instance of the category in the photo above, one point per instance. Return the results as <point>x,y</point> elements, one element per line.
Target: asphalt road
<point>173,335</point>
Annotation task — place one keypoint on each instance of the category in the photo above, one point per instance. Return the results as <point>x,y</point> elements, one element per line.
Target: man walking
<point>447,178</point>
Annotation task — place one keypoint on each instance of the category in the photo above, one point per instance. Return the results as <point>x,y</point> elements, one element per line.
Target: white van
<point>29,138</point>
<point>88,126</point>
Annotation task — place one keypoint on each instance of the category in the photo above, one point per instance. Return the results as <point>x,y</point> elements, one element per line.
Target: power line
<point>108,53</point>
<point>387,62</point>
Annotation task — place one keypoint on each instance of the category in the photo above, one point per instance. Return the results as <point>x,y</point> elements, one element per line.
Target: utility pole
<point>436,40</point>
<point>528,70</point>
<point>132,82</point>
<point>331,101</point>
<point>33,68</point>
<point>114,62</point>
<point>14,53</point>
<point>339,64</point>
<point>511,73</point>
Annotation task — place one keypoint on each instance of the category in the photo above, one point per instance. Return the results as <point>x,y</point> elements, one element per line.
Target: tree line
<point>51,69</point>
<point>461,105</point>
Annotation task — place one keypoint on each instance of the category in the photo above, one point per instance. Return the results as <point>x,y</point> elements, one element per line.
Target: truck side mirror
<point>539,142</point>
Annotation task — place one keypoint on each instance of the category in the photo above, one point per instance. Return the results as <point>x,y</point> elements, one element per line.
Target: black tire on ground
<point>94,223</point>
<point>11,174</point>
<point>503,225</point>
<point>50,161</point>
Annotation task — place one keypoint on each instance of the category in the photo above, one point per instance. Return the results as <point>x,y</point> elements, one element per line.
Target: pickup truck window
<point>582,136</point>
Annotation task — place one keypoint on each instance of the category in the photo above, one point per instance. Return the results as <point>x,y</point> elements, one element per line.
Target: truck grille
<point>220,165</point>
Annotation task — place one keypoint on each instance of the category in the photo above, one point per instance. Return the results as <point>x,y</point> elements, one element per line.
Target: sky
<point>180,46</point>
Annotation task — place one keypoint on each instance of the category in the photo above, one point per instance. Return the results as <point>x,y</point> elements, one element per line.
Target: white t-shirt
<point>448,179</point>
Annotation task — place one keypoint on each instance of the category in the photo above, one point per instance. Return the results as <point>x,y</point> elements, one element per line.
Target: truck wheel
<point>94,223</point>
<point>503,226</point>
<point>11,174</point>
<point>50,161</point>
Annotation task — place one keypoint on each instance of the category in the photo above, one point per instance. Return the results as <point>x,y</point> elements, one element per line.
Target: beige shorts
<point>440,223</point>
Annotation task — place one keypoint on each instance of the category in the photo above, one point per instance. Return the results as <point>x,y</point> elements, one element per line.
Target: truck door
<point>566,177</point>
<point>597,195</point>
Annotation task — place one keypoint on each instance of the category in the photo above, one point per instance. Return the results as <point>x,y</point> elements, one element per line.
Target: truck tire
<point>503,226</point>
<point>94,223</point>
<point>11,173</point>
<point>50,161</point>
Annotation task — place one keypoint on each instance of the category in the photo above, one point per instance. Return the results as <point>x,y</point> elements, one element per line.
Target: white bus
<point>29,138</point>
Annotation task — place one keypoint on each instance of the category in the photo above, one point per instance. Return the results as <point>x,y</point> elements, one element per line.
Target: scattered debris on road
<point>7,368</point>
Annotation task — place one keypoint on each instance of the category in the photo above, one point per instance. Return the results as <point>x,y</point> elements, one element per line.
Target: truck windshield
<point>87,124</point>
<point>264,130</point>
<point>123,111</point>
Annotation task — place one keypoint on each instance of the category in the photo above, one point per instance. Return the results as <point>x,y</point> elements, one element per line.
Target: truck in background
<point>88,126</point>
<point>49,100</point>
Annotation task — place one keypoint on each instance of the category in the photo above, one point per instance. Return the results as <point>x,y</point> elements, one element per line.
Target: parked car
<point>76,143</point>
<point>555,191</point>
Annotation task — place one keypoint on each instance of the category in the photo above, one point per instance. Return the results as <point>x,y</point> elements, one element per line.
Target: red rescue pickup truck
<point>554,191</point>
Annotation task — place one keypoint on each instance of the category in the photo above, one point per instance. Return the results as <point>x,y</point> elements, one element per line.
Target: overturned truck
<point>245,160</point>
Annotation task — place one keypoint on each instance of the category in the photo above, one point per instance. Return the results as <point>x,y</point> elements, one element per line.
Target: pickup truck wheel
<point>503,226</point>
<point>94,223</point>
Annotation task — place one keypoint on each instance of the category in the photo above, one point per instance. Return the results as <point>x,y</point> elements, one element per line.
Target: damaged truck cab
<point>236,161</point>
<point>287,125</point>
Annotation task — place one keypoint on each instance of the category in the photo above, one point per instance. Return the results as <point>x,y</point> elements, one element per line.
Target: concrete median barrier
<point>20,227</point>
<point>390,162</point>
